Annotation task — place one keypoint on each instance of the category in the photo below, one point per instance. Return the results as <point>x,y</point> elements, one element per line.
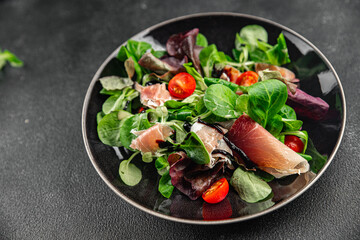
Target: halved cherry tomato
<point>247,78</point>
<point>219,211</point>
<point>217,192</point>
<point>141,109</point>
<point>294,143</point>
<point>182,85</point>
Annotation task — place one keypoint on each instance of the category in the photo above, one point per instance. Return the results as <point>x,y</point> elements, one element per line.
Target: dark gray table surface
<point>48,186</point>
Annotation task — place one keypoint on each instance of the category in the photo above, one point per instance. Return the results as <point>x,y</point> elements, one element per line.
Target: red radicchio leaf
<point>308,106</point>
<point>191,178</point>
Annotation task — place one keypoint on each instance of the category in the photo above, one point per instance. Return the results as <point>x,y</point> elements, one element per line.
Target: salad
<point>208,121</point>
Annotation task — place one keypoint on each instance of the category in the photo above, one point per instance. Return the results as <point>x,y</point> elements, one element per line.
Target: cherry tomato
<point>217,192</point>
<point>141,109</point>
<point>294,143</point>
<point>247,78</point>
<point>182,85</point>
<point>218,211</point>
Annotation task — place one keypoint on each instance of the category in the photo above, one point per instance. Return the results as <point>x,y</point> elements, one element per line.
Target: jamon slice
<point>231,73</point>
<point>264,150</point>
<point>285,73</point>
<point>287,76</point>
<point>212,140</point>
<point>154,95</point>
<point>147,140</point>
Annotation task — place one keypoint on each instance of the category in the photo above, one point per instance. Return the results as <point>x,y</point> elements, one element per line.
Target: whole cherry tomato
<point>247,78</point>
<point>217,192</point>
<point>294,143</point>
<point>182,85</point>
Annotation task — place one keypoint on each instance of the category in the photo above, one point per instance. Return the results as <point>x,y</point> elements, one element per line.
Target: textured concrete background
<point>48,187</point>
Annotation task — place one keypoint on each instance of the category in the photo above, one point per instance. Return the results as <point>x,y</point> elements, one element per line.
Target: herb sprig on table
<point>8,57</point>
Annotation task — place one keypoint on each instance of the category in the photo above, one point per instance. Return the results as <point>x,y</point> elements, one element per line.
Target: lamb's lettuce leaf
<point>250,187</point>
<point>265,100</point>
<point>222,101</point>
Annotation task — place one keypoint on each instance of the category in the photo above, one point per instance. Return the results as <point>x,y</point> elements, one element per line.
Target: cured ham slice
<point>288,77</point>
<point>154,95</point>
<point>264,150</point>
<point>285,73</point>
<point>231,73</point>
<point>148,140</point>
<point>212,140</point>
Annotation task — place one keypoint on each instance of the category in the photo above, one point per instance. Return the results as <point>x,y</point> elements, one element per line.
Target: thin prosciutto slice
<point>288,76</point>
<point>148,140</point>
<point>154,95</point>
<point>212,140</point>
<point>264,150</point>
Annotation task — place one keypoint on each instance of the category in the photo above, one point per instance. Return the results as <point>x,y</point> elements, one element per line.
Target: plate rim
<point>225,221</point>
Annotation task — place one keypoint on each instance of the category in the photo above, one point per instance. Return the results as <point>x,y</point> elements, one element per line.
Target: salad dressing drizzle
<point>216,126</point>
<point>248,163</point>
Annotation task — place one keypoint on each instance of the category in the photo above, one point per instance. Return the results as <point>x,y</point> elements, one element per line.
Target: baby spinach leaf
<point>122,114</point>
<point>195,149</point>
<point>165,186</point>
<point>278,55</point>
<point>180,114</point>
<point>242,103</point>
<point>124,54</point>
<point>109,130</point>
<point>110,92</point>
<point>211,81</point>
<point>137,122</point>
<point>200,84</point>
<point>115,83</point>
<point>129,173</point>
<point>162,165</point>
<point>287,112</point>
<point>265,100</point>
<point>275,125</point>
<point>117,102</point>
<point>158,114</point>
<point>291,124</point>
<point>318,160</point>
<point>208,57</point>
<point>201,40</point>
<point>158,53</point>
<point>306,156</point>
<point>99,116</point>
<point>249,186</point>
<point>7,56</point>
<point>252,33</point>
<point>137,49</point>
<point>173,104</point>
<point>200,107</point>
<point>222,101</point>
<point>147,157</point>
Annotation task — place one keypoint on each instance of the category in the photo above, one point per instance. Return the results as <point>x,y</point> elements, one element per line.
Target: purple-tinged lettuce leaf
<point>181,44</point>
<point>190,178</point>
<point>167,66</point>
<point>306,105</point>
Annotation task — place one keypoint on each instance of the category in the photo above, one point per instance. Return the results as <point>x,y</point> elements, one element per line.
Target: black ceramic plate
<point>319,79</point>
